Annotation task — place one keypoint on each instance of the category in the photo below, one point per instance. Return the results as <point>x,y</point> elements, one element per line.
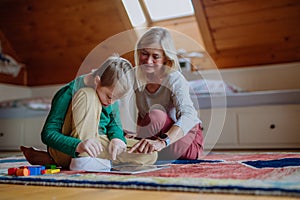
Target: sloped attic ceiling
<point>241,33</point>
<point>53,37</point>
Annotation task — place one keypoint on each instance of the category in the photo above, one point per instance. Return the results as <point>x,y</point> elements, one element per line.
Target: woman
<point>167,120</point>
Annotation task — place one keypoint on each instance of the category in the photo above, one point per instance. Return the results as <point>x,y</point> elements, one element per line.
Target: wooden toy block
<point>35,170</point>
<point>50,171</point>
<point>54,171</point>
<point>50,166</point>
<point>12,171</point>
<point>22,172</point>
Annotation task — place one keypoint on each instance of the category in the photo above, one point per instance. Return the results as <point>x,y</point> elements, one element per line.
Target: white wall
<point>255,78</point>
<point>8,92</point>
<point>45,91</point>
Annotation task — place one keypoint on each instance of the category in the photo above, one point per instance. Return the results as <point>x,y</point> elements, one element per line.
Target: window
<point>168,9</point>
<point>135,12</point>
<point>156,10</point>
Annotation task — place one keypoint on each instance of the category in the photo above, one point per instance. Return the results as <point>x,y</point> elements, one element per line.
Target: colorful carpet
<point>275,174</point>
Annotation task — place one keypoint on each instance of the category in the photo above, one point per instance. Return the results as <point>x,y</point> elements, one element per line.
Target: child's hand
<point>116,146</point>
<point>91,146</point>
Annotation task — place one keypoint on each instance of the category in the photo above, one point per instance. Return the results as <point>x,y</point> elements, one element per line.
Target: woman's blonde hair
<point>162,37</point>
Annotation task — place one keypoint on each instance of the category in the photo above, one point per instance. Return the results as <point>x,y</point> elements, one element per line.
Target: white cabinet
<point>21,131</point>
<point>270,126</point>
<point>11,133</point>
<point>259,127</point>
<point>216,134</point>
<point>32,132</point>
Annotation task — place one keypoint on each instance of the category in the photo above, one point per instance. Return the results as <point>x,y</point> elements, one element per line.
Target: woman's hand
<point>147,146</point>
<point>91,146</point>
<point>116,146</point>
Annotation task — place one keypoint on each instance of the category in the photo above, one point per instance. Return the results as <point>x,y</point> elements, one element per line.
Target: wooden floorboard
<point>24,192</point>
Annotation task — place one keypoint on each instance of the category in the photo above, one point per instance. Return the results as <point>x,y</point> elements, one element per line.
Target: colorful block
<point>50,171</point>
<point>50,166</point>
<point>12,171</point>
<point>35,170</point>
<point>22,172</point>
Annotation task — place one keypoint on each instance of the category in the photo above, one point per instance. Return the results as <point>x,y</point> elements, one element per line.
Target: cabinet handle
<point>1,134</point>
<point>272,126</point>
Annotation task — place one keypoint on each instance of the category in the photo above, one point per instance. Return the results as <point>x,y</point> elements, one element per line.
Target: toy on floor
<point>33,170</point>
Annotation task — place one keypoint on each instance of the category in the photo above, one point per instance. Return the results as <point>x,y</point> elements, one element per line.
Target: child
<point>167,120</point>
<point>84,122</point>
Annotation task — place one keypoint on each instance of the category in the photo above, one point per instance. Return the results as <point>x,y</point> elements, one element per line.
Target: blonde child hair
<point>115,72</point>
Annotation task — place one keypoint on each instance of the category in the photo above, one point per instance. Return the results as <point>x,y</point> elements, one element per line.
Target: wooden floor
<point>11,192</point>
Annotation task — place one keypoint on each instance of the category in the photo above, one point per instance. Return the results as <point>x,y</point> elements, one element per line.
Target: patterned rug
<point>275,174</point>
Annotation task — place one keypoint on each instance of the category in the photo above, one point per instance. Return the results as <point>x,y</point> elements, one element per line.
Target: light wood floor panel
<point>26,192</point>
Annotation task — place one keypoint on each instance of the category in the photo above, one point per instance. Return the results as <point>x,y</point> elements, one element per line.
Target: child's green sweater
<point>110,123</point>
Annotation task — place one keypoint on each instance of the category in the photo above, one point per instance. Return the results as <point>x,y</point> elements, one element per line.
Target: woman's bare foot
<point>37,157</point>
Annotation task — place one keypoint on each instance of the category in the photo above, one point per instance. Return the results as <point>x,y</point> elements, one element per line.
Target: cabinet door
<point>11,133</point>
<point>272,126</point>
<point>32,132</point>
<point>216,134</point>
